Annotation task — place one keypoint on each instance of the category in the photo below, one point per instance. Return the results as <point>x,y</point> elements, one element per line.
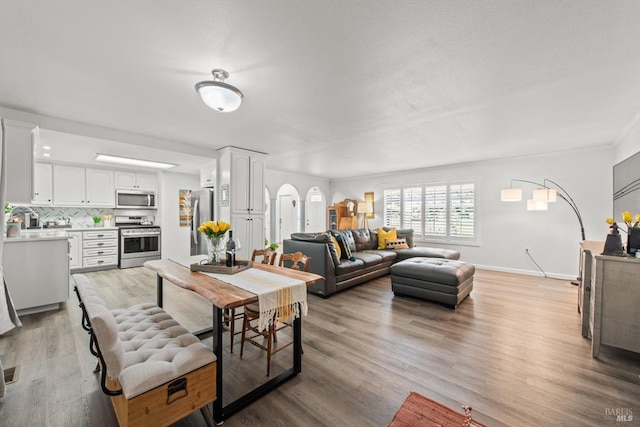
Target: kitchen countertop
<point>50,233</point>
<point>31,235</point>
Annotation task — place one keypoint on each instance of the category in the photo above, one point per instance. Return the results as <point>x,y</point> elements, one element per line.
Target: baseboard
<point>526,272</point>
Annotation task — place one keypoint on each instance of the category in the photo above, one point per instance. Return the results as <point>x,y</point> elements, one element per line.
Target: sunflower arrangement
<point>214,229</point>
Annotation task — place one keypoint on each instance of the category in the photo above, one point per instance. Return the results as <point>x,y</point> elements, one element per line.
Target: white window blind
<point>412,209</point>
<point>439,211</point>
<point>392,208</point>
<point>461,217</point>
<point>435,206</point>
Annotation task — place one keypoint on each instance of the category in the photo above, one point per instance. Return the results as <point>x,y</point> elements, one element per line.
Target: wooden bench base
<point>157,407</point>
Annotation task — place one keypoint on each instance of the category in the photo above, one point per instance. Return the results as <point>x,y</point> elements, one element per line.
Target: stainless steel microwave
<point>127,199</point>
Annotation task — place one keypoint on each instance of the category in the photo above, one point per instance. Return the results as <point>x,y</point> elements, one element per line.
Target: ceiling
<point>332,88</point>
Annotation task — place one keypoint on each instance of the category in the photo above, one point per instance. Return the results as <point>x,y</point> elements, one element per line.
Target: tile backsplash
<point>79,217</point>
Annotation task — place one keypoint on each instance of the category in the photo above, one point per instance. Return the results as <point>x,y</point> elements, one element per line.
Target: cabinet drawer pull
<point>100,244</point>
<point>101,261</point>
<point>100,235</point>
<point>100,252</point>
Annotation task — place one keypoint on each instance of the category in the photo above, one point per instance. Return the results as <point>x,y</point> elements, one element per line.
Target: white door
<point>315,209</point>
<point>286,216</point>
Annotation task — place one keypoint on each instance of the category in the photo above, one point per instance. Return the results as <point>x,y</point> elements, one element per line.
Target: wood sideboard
<point>610,298</point>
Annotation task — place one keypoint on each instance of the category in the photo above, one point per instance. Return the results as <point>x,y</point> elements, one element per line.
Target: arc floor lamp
<point>542,196</point>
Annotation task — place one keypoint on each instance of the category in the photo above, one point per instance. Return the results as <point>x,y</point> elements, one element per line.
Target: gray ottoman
<point>435,279</point>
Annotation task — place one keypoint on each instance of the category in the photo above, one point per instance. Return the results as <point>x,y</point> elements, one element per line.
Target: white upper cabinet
<point>19,151</point>
<point>77,186</point>
<point>68,185</point>
<point>247,182</point>
<point>99,188</point>
<point>42,184</point>
<point>135,181</point>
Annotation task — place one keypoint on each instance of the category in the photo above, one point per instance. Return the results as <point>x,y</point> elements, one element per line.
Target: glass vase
<point>215,250</point>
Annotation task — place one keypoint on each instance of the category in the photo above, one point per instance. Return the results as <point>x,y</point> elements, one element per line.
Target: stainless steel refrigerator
<point>202,202</point>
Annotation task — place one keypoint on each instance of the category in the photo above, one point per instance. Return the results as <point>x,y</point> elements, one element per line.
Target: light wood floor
<point>512,351</point>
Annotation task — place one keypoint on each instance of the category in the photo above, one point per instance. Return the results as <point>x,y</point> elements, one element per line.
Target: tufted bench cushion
<point>442,280</point>
<point>144,349</point>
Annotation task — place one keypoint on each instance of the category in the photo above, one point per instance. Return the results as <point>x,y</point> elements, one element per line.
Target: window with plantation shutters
<point>412,210</point>
<point>392,208</point>
<point>461,210</point>
<point>435,207</point>
<point>440,211</point>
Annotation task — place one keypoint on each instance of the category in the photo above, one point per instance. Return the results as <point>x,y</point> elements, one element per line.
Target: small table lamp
<point>365,208</point>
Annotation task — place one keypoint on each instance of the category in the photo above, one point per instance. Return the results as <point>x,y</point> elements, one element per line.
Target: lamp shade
<point>537,205</point>
<point>219,95</point>
<point>548,195</point>
<point>365,207</point>
<point>511,195</point>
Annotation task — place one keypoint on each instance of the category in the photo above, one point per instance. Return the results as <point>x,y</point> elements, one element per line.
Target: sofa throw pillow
<point>337,247</point>
<point>383,235</point>
<point>397,244</point>
<point>404,233</point>
<point>344,248</point>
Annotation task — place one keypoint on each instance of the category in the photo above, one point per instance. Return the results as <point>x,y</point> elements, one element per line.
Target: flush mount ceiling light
<point>219,95</point>
<point>133,162</point>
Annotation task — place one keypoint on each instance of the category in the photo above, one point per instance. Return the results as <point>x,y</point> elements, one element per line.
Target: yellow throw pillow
<point>335,243</point>
<point>384,235</point>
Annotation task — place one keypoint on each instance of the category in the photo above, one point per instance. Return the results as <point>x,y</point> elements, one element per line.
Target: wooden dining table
<point>224,296</point>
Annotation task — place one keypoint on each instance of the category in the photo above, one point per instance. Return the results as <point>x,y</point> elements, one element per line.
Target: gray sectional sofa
<point>368,261</point>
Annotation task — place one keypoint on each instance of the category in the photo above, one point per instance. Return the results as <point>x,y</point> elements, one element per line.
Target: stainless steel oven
<point>139,241</point>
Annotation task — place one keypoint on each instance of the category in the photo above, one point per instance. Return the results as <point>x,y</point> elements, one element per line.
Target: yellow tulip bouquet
<point>628,220</point>
<point>213,229</point>
<point>214,232</point>
<point>613,245</point>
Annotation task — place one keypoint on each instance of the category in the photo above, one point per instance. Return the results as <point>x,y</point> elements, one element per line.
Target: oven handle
<point>146,233</point>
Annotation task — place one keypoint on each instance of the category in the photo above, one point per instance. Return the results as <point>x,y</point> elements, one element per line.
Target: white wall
<point>507,228</point>
<point>175,239</point>
<point>275,179</point>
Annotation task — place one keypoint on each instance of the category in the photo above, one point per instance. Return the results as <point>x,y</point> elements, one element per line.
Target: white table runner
<point>278,296</point>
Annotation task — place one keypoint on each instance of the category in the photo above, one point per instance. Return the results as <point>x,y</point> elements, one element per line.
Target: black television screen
<point>626,187</point>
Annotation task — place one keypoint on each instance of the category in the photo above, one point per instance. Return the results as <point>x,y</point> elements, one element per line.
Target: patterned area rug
<point>418,411</point>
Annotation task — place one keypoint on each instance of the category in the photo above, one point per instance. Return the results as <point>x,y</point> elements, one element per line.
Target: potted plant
<point>273,246</point>
<point>96,220</point>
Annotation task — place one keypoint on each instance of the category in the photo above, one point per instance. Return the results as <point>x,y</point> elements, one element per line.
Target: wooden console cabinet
<point>614,304</point>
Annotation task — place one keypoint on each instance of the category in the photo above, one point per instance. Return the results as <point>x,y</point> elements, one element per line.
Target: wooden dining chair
<point>250,332</point>
<point>231,316</point>
<point>297,261</point>
<point>268,255</point>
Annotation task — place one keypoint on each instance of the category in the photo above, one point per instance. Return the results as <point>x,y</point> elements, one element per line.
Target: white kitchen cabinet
<point>78,186</point>
<point>36,272</point>
<point>249,231</point>
<point>75,250</point>
<point>99,249</point>
<point>19,138</point>
<point>135,181</point>
<point>42,184</point>
<point>68,185</point>
<point>99,188</point>
<point>208,176</point>
<point>246,190</point>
